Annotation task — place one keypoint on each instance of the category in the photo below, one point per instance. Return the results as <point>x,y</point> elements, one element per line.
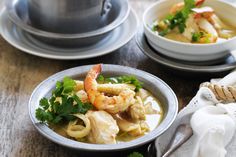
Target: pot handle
<point>106,7</point>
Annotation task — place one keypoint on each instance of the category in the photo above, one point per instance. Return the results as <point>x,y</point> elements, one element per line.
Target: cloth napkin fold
<point>213,123</point>
<point>213,129</point>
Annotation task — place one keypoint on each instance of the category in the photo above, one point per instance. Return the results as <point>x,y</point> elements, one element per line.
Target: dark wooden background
<point>20,73</point>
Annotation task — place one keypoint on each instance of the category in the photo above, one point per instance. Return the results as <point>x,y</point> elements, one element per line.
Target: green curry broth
<point>152,120</point>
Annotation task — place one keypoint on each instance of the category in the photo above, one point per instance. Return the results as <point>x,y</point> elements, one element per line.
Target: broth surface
<point>152,120</point>
<point>175,35</point>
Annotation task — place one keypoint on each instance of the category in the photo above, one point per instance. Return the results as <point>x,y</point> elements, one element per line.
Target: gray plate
<point>18,13</point>
<point>23,41</point>
<point>227,64</point>
<point>155,85</point>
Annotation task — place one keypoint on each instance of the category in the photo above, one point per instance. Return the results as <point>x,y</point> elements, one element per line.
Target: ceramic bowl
<point>155,85</point>
<point>189,51</point>
<point>18,12</point>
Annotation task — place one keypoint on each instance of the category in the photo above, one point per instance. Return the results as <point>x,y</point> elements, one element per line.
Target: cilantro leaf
<point>121,79</point>
<point>44,103</point>
<point>43,115</point>
<point>189,4</point>
<point>179,18</point>
<point>58,90</point>
<point>164,32</point>
<point>68,84</point>
<point>181,27</point>
<point>101,78</point>
<point>62,104</point>
<point>135,154</point>
<point>196,37</point>
<point>81,107</point>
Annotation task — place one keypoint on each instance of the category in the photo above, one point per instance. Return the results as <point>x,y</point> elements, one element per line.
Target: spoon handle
<point>182,134</point>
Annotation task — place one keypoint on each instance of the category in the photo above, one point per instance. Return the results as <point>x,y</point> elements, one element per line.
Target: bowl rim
<point>122,16</point>
<point>50,134</point>
<point>146,27</point>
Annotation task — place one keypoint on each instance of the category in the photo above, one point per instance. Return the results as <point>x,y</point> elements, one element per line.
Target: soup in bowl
<point>112,107</point>
<point>192,30</point>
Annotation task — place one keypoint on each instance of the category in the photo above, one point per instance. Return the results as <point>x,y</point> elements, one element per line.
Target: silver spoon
<point>182,134</point>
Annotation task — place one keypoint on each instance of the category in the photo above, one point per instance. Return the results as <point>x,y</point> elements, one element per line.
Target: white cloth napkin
<point>213,123</point>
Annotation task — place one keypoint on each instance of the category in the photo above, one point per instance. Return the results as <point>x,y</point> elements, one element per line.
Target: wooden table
<point>20,73</point>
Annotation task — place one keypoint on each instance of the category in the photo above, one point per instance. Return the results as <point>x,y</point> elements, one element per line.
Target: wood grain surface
<point>20,73</point>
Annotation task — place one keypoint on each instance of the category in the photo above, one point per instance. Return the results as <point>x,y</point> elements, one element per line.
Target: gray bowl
<point>155,85</point>
<point>18,13</point>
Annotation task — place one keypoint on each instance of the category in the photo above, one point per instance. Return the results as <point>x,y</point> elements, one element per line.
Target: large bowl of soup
<point>200,30</point>
<point>102,107</point>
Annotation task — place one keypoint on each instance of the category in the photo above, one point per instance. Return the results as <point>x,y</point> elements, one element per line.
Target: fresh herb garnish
<point>164,32</point>
<point>196,37</point>
<point>179,19</point>
<point>202,37</point>
<point>62,104</point>
<point>121,79</point>
<point>155,26</point>
<point>135,154</point>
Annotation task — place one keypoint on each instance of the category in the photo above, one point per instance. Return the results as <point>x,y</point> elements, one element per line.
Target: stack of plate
<point>18,29</point>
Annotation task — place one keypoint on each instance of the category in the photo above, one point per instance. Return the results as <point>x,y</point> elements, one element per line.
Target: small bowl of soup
<point>102,107</point>
<point>191,30</point>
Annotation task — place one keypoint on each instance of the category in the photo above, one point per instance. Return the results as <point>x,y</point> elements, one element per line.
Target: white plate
<point>23,41</point>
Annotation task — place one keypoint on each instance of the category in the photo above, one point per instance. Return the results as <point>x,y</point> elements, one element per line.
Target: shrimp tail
<point>90,84</point>
<point>199,2</point>
<point>177,7</point>
<point>92,75</point>
<point>111,104</point>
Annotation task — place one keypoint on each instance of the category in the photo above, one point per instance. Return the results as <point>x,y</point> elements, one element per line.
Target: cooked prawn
<point>208,13</point>
<point>114,104</point>
<point>177,7</point>
<point>209,29</point>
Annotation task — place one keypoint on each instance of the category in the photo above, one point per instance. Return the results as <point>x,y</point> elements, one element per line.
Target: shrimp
<point>209,29</point>
<point>177,7</point>
<point>114,104</point>
<point>208,13</point>
<point>82,96</point>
